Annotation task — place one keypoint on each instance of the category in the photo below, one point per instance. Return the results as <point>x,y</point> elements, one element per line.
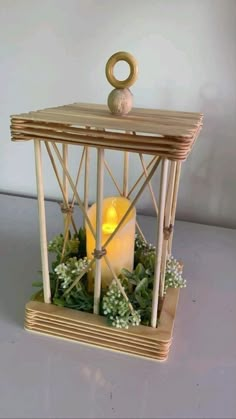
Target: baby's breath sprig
<point>174,272</point>
<point>68,271</point>
<point>117,310</point>
<point>142,245</point>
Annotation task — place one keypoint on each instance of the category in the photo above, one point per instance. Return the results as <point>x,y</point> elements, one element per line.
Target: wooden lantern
<point>167,137</point>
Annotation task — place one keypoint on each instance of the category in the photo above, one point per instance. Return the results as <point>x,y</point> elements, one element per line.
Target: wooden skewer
<point>126,174</point>
<point>112,177</point>
<point>59,181</point>
<point>132,203</point>
<point>78,175</point>
<point>140,231</point>
<point>67,217</point>
<point>170,190</point>
<point>118,283</point>
<point>141,176</point>
<point>120,192</point>
<point>86,179</point>
<point>74,190</point>
<point>174,202</point>
<point>99,206</point>
<point>42,222</point>
<point>149,184</point>
<point>65,159</point>
<point>167,225</point>
<point>162,198</point>
<point>66,234</point>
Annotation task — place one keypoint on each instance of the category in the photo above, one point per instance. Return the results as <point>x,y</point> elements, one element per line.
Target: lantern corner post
<point>98,241</point>
<point>42,221</point>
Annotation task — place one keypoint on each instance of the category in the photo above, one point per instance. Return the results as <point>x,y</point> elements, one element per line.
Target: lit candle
<point>120,250</point>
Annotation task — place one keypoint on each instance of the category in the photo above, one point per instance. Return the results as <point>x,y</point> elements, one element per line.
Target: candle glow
<point>111,219</point>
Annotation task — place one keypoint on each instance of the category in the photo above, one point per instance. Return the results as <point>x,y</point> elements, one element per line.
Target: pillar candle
<point>120,250</point>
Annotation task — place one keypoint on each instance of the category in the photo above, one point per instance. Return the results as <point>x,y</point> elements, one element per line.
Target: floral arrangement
<point>71,262</point>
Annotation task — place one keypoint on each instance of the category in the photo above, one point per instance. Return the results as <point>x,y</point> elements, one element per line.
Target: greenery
<point>70,262</point>
<point>66,268</point>
<point>138,285</point>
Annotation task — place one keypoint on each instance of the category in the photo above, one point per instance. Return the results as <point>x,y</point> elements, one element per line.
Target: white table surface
<point>43,377</point>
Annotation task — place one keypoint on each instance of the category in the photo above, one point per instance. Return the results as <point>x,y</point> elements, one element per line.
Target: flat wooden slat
<point>162,333</point>
<point>88,107</point>
<point>163,119</point>
<point>133,351</point>
<point>109,121</point>
<point>110,333</point>
<point>27,125</point>
<point>45,133</point>
<point>126,343</point>
<point>169,134</point>
<point>103,143</point>
<point>167,154</point>
<point>178,150</point>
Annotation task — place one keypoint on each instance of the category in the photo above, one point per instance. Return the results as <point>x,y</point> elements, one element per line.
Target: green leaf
<point>37,284</point>
<point>141,301</point>
<point>37,296</point>
<point>126,273</point>
<point>140,270</point>
<point>59,302</point>
<point>142,285</point>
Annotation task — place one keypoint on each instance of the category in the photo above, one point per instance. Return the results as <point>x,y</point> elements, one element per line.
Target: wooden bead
<point>120,101</point>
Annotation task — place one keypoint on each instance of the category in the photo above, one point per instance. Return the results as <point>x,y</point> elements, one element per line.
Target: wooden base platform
<point>92,329</point>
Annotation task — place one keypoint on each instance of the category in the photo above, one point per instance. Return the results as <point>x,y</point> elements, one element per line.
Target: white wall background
<point>53,52</point>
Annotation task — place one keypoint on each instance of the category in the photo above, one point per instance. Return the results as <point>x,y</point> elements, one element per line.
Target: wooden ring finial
<point>129,59</point>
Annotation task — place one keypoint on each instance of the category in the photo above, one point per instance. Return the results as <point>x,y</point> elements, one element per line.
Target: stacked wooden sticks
<point>165,133</point>
<point>93,330</point>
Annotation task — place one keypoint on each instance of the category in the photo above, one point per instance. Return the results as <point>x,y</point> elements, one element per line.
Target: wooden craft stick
<point>99,206</point>
<point>112,177</point>
<point>149,184</point>
<point>167,225</point>
<point>86,179</point>
<point>132,203</point>
<point>118,283</point>
<point>78,175</point>
<point>140,231</point>
<point>42,222</point>
<point>174,202</point>
<point>67,217</point>
<point>74,190</point>
<point>65,160</point>
<point>126,174</point>
<point>141,176</point>
<point>59,181</point>
<point>162,198</point>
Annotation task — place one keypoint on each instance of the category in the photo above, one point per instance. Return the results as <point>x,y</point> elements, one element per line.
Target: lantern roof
<point>170,134</point>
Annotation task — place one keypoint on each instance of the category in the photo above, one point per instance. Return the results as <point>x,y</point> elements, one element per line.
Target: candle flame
<point>111,220</point>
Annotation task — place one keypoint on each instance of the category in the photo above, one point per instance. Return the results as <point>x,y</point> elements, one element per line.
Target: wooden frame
<point>144,341</point>
<point>164,135</point>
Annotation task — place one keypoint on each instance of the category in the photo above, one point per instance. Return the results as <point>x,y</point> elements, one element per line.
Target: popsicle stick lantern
<point>108,287</point>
